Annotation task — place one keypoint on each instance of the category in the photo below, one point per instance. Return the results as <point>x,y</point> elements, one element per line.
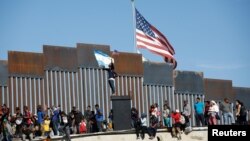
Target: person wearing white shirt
<point>213,113</point>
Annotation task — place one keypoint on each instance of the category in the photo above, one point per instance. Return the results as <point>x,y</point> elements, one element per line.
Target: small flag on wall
<point>103,59</point>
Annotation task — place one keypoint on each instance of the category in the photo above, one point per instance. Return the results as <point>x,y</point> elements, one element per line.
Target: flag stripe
<point>154,49</point>
<point>142,37</point>
<point>144,41</point>
<point>148,37</point>
<point>164,40</point>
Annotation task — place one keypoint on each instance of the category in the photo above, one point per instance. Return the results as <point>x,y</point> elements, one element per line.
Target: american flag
<point>148,37</point>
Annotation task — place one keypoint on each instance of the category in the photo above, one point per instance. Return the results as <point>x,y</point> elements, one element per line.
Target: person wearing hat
<point>176,130</point>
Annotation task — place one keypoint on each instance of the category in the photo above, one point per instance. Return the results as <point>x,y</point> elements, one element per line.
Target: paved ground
<point>198,134</point>
<point>163,136</point>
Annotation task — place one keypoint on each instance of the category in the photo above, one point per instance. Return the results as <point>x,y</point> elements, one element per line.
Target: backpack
<point>182,119</point>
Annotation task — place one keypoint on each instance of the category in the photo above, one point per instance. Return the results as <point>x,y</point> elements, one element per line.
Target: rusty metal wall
<point>128,64</point>
<point>25,64</point>
<point>3,72</point>
<point>85,54</point>
<point>242,94</point>
<point>188,82</point>
<point>154,72</point>
<point>60,58</point>
<point>216,89</point>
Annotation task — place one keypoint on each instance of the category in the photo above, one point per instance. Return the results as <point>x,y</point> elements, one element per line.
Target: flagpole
<point>134,24</point>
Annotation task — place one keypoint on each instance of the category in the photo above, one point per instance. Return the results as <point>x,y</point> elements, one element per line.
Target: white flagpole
<point>134,25</point>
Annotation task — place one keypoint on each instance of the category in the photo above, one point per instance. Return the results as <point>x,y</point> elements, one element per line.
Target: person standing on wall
<point>111,77</point>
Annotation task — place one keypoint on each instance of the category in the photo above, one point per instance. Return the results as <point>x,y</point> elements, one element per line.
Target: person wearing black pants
<point>153,127</point>
<point>138,127</point>
<point>66,123</point>
<point>143,125</point>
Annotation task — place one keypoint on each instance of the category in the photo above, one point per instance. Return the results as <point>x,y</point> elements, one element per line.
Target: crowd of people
<point>175,121</point>
<point>178,122</point>
<point>47,122</point>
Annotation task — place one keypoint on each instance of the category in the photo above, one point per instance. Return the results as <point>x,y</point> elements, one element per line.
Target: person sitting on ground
<point>46,128</point>
<point>7,131</point>
<point>166,116</point>
<point>176,130</point>
<point>83,126</point>
<point>137,127</point>
<point>143,125</point>
<point>27,131</point>
<point>66,124</point>
<point>152,129</point>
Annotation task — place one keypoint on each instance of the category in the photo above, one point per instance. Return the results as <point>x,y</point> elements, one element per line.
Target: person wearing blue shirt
<point>99,118</point>
<point>199,112</point>
<point>40,115</point>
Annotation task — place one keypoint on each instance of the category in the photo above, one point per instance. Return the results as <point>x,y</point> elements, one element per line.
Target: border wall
<point>69,76</point>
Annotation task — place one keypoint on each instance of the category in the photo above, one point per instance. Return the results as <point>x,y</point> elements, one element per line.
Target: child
<point>46,127</point>
<point>83,128</point>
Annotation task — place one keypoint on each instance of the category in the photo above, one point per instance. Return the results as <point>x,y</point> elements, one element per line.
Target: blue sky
<point>211,36</point>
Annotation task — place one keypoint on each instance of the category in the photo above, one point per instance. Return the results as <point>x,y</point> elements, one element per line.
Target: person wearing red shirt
<point>176,130</point>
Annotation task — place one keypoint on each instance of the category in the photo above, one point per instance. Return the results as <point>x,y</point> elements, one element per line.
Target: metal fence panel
<point>188,82</point>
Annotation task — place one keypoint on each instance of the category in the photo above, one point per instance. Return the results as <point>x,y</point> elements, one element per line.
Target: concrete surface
<point>198,134</point>
<point>164,136</point>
